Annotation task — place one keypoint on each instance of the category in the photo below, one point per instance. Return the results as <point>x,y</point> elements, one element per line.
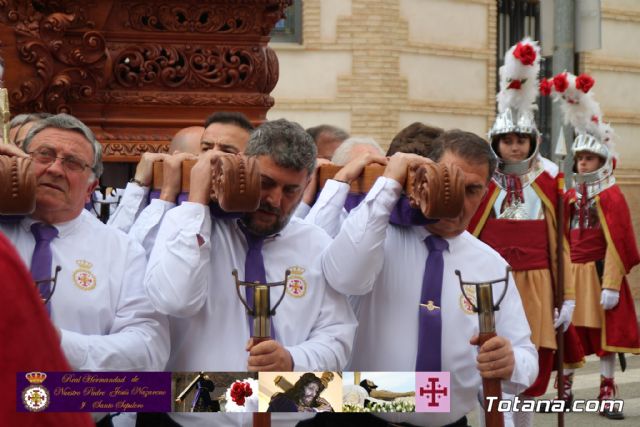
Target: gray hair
<point>65,121</point>
<point>466,145</point>
<point>342,154</point>
<point>22,119</point>
<point>287,143</point>
<point>334,131</point>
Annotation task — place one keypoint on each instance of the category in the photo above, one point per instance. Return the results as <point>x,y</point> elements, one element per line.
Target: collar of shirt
<point>64,228</point>
<point>422,233</point>
<point>236,227</point>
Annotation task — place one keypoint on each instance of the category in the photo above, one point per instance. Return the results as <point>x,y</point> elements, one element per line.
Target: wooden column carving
<point>136,71</point>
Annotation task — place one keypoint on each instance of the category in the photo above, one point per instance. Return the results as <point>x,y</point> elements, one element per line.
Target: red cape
<point>30,343</point>
<point>620,332</point>
<point>616,221</point>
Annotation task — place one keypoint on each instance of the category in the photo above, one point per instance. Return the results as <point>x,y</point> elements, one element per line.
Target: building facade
<point>374,66</point>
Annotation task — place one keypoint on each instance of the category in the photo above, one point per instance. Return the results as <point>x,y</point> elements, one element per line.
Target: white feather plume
<point>514,70</point>
<point>577,107</point>
<point>583,112</point>
<point>608,136</point>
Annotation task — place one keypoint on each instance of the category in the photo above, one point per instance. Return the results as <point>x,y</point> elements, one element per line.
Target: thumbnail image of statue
<point>358,395</point>
<point>302,396</point>
<point>206,391</point>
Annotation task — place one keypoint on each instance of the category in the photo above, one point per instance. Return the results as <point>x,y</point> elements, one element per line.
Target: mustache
<point>53,182</point>
<point>268,208</point>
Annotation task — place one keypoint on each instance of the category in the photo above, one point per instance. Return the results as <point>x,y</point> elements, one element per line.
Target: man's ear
<point>90,189</point>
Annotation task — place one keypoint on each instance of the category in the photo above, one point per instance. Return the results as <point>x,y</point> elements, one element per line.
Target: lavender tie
<point>254,270</point>
<point>430,320</point>
<point>42,258</point>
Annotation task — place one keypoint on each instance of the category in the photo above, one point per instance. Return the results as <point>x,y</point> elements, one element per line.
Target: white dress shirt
<point>209,327</point>
<point>328,211</point>
<point>302,210</point>
<point>384,265</point>
<point>99,303</point>
<point>146,226</point>
<point>131,204</point>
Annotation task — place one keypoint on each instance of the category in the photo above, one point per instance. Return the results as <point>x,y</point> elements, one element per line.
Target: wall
<point>375,66</point>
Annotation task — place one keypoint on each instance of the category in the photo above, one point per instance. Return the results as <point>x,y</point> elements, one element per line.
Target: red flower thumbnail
<point>240,391</point>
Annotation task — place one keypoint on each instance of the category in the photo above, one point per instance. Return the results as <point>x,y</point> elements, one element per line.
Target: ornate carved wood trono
<point>436,189</point>
<point>136,71</point>
<point>18,192</point>
<point>235,181</point>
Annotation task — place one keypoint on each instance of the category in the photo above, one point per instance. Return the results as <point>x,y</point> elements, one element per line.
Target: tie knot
<point>253,240</point>
<point>43,232</point>
<point>436,243</point>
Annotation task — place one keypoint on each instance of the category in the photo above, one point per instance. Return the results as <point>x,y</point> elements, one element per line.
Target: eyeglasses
<point>47,156</point>
<point>47,296</point>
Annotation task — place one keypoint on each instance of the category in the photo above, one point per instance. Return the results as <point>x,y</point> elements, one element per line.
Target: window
<point>289,29</point>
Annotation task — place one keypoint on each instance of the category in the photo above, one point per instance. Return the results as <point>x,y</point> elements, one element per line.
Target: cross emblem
<point>433,391</point>
<point>84,279</point>
<point>36,397</point>
<point>295,287</point>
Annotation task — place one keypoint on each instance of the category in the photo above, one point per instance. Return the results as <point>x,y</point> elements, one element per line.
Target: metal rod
<point>559,297</point>
<point>262,309</point>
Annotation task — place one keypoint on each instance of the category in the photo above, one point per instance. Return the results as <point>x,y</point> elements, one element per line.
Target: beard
<point>258,228</point>
<point>307,400</point>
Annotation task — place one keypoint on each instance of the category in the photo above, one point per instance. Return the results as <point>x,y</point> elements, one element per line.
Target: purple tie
<point>430,320</point>
<point>254,270</point>
<point>42,258</point>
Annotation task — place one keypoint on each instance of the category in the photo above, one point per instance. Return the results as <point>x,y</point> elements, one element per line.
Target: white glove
<point>609,298</point>
<point>565,314</point>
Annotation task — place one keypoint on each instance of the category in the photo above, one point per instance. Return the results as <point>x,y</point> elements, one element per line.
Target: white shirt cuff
<point>162,204</point>
<point>523,375</point>
<point>199,219</point>
<point>300,362</point>
<point>334,193</point>
<point>135,189</point>
<point>302,210</point>
<point>385,191</point>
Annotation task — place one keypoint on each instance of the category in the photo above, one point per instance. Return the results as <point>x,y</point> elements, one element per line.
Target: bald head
<point>187,140</point>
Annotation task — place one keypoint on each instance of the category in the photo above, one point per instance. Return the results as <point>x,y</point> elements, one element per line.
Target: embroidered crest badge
<point>296,285</point>
<point>83,277</point>
<point>470,290</point>
<point>35,398</point>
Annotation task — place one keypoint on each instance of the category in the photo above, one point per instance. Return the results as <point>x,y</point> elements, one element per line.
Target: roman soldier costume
<point>518,214</point>
<point>603,246</point>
